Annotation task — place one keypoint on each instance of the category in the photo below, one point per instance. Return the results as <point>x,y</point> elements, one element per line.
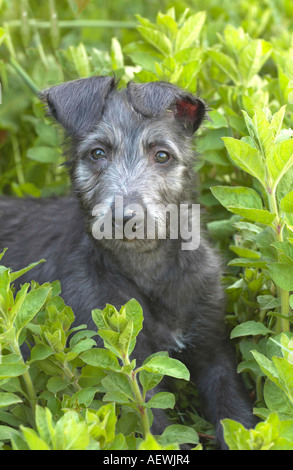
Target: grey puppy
<point>135,143</point>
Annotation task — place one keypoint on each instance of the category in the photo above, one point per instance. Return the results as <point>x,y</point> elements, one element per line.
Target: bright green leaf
<point>43,154</point>
<point>31,305</point>
<point>279,160</point>
<point>157,39</point>
<point>7,399</point>
<point>189,33</point>
<point>161,400</point>
<point>179,434</point>
<point>167,366</point>
<point>33,440</point>
<point>99,357</point>
<point>282,275</point>
<point>246,157</point>
<point>250,328</point>
<point>225,63</point>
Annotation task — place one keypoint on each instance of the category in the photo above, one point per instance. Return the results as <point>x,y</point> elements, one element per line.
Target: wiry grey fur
<point>179,291</point>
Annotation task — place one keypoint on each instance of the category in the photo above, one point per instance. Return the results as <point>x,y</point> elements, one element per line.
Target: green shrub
<point>51,399</point>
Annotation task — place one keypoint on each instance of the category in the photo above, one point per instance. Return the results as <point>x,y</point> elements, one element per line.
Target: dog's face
<point>130,147</point>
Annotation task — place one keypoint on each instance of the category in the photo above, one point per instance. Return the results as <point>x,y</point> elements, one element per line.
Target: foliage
<point>50,400</point>
<point>238,57</point>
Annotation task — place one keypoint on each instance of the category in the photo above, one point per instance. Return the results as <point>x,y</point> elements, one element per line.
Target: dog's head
<point>134,144</point>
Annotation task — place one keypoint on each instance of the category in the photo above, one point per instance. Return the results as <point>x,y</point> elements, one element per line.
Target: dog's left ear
<point>79,104</point>
<point>154,98</point>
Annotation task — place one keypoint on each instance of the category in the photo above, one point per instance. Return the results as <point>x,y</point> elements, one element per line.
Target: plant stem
<point>55,36</point>
<point>139,399</point>
<point>282,324</point>
<point>71,376</point>
<point>76,24</point>
<point>28,381</point>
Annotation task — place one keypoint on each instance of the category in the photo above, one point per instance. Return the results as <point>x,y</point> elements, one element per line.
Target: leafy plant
<point>50,401</point>
<point>267,155</point>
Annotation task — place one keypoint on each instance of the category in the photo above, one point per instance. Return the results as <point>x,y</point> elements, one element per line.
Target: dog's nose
<point>128,215</point>
<point>131,230</point>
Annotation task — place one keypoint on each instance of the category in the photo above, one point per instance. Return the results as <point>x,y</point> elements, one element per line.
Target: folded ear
<point>79,104</point>
<point>154,98</point>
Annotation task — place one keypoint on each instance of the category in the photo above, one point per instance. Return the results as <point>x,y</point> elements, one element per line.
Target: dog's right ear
<point>78,105</point>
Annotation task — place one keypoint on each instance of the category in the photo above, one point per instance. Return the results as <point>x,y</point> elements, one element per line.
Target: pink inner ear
<point>186,109</point>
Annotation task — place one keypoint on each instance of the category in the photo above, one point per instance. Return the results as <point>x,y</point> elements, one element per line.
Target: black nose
<point>128,215</point>
<point>120,222</point>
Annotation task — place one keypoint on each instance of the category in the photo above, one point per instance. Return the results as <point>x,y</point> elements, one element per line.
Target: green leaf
<point>248,263</point>
<point>282,275</point>
<point>44,423</point>
<point>245,252</point>
<point>7,399</point>
<point>99,357</point>
<point>71,433</point>
<point>225,63</point>
<point>277,400</point>
<point>167,23</point>
<point>277,121</point>
<point>48,134</point>
<point>285,248</point>
<point>12,370</point>
<point>253,57</point>
<point>33,440</point>
<point>84,345</point>
<point>115,382</point>
<point>237,196</point>
<point>161,400</point>
<point>78,55</point>
<point>116,54</point>
<point>7,433</point>
<point>167,366</point>
<point>157,39</point>
<point>43,154</point>
<point>31,305</point>
<point>149,380</point>
<point>257,215</point>
<point>84,396</point>
<point>266,366</point>
<point>125,338</point>
<point>3,253</point>
<point>40,352</point>
<point>179,434</point>
<point>250,328</point>
<point>285,373</point>
<point>286,203</point>
<point>55,384</point>
<point>243,201</point>
<point>246,157</point>
<point>262,130</point>
<point>16,274</point>
<point>150,443</point>
<point>189,33</point>
<point>236,436</point>
<point>268,302</point>
<point>279,160</point>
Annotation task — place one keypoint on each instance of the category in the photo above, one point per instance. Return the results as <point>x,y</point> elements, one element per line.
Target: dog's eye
<point>162,157</point>
<point>97,154</point>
